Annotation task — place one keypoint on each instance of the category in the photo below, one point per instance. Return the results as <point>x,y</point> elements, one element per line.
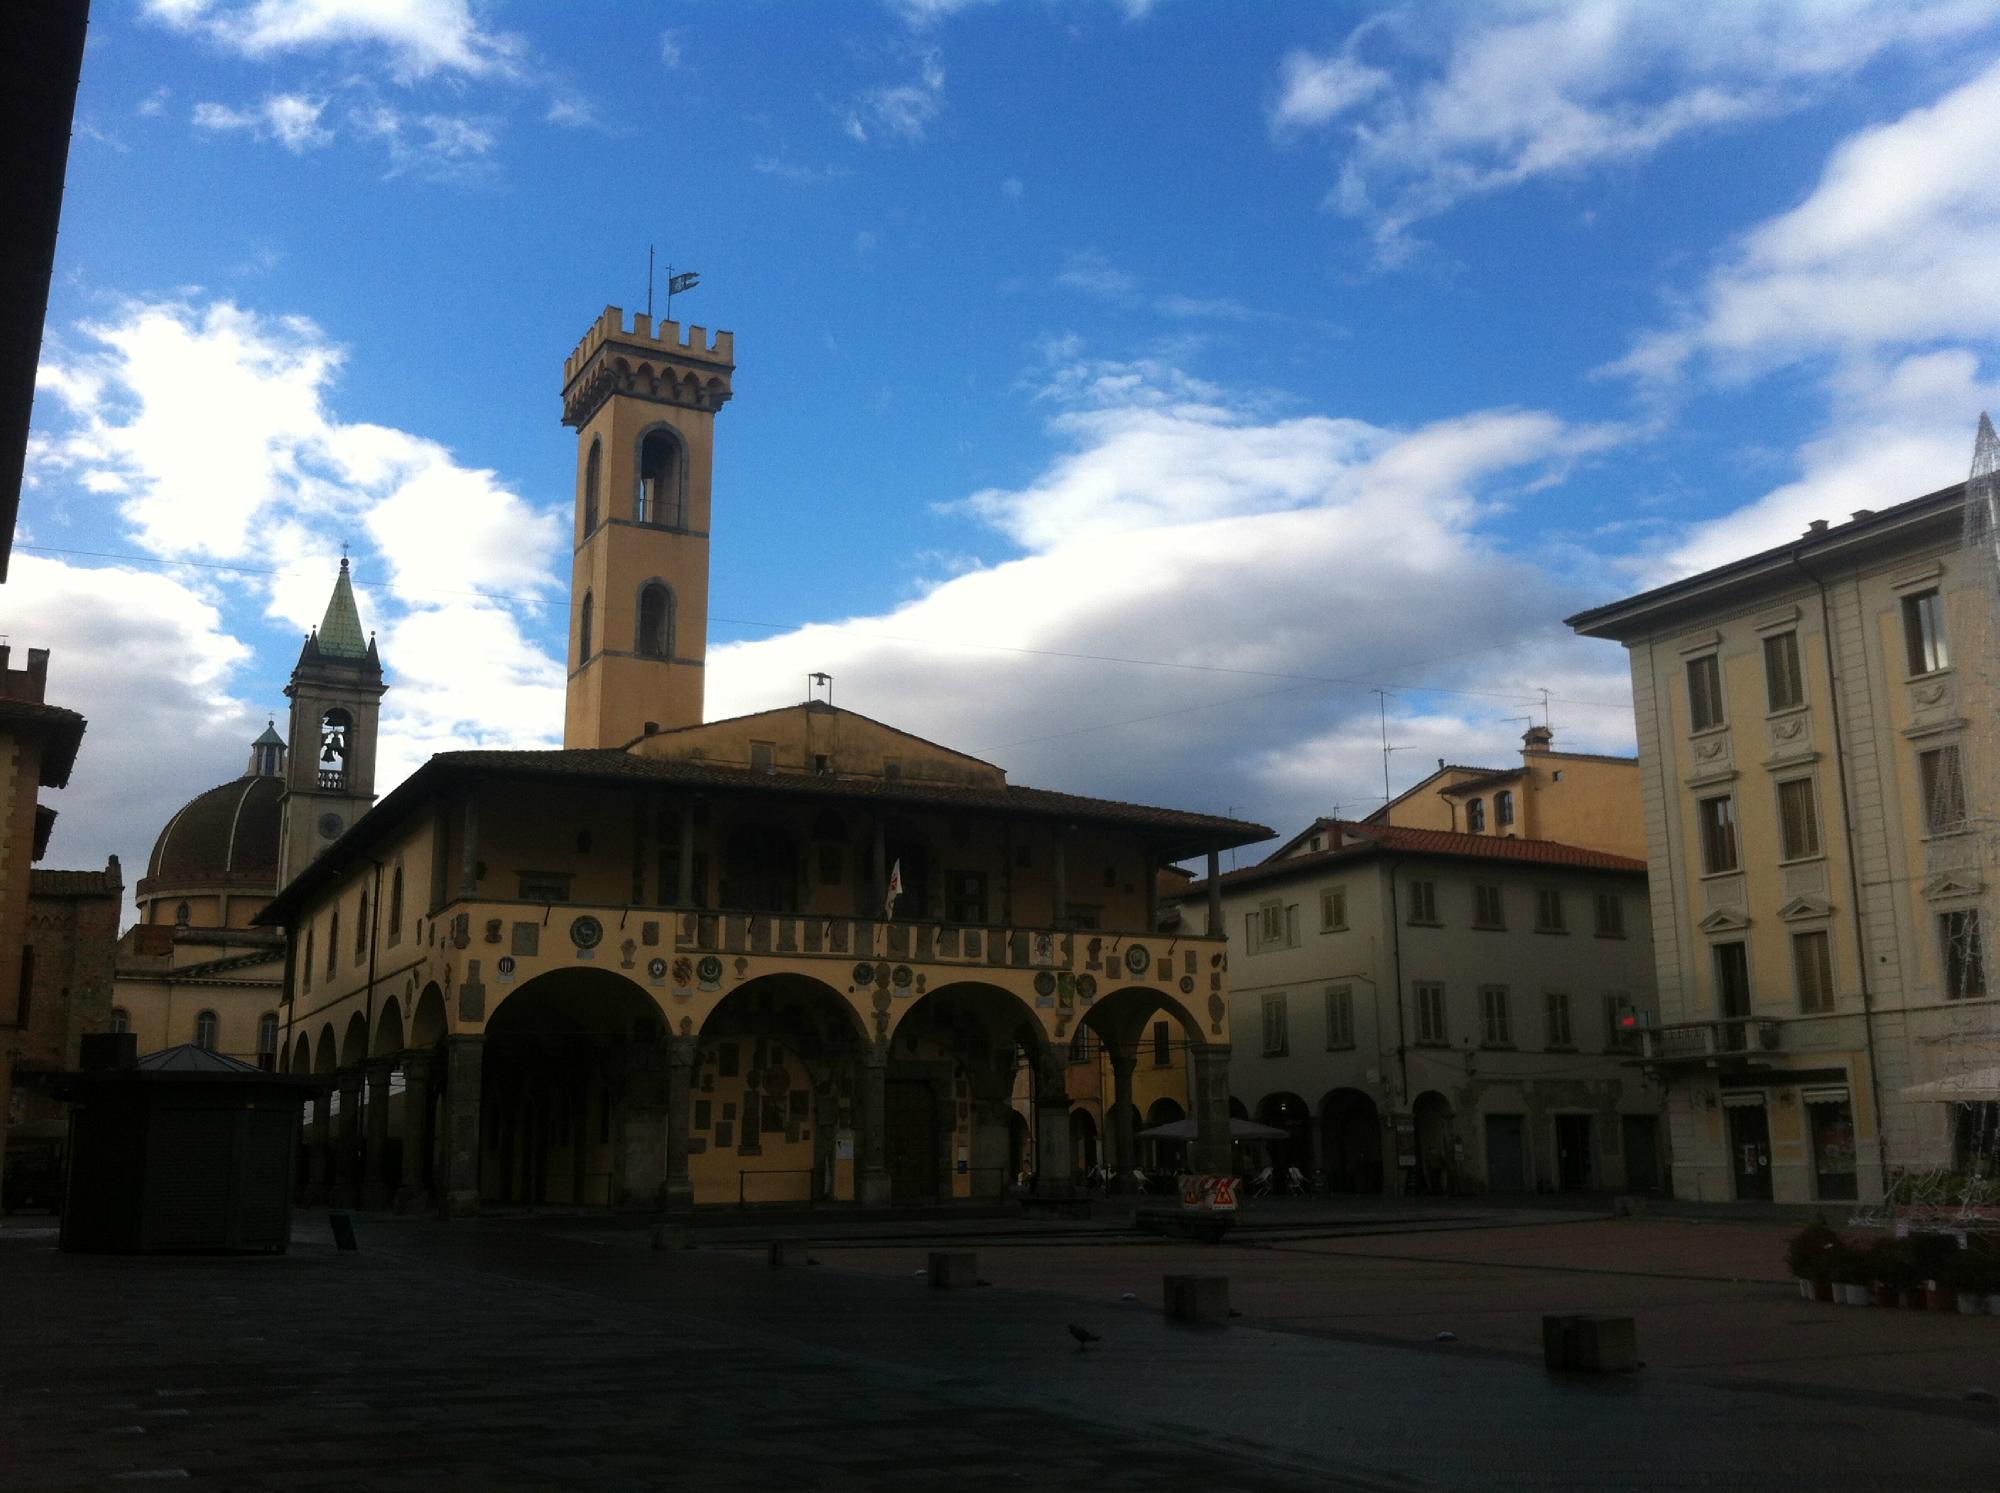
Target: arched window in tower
<point>121,1019</point>
<point>267,1041</point>
<point>583,631</point>
<point>336,736</point>
<point>659,479</point>
<point>656,621</point>
<point>204,1031</point>
<point>181,915</point>
<point>1475,815</point>
<point>593,473</point>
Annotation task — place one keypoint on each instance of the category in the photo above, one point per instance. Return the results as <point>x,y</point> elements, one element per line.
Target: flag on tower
<point>895,888</point>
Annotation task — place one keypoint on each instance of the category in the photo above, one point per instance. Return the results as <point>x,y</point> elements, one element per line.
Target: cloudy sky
<point>1127,391</point>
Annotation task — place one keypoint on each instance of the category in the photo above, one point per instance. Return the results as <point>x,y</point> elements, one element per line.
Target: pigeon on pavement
<point>1084,1336</point>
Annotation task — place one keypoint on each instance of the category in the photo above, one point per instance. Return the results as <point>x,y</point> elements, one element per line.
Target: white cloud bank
<point>208,430</point>
<point>419,38</point>
<point>1432,105</point>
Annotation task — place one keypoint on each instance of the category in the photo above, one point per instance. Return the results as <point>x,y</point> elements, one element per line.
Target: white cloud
<point>419,37</point>
<point>1319,554</point>
<point>292,119</point>
<point>447,148</point>
<point>670,49</point>
<point>148,661</point>
<point>1091,273</point>
<point>210,432</point>
<point>905,111</point>
<point>1012,188</point>
<point>1492,96</point>
<point>1894,246</point>
<point>795,171</point>
<point>154,103</point>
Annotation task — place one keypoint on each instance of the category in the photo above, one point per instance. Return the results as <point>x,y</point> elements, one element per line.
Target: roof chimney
<point>1861,513</point>
<point>1536,739</point>
<point>1817,526</point>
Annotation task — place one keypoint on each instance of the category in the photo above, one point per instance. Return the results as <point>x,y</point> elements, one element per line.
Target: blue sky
<point>1125,390</point>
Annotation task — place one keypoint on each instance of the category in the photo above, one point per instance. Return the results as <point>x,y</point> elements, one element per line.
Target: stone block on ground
<point>1197,1298</point>
<point>673,1236</point>
<point>952,1269</point>
<point>1590,1344</point>
<point>786,1252</point>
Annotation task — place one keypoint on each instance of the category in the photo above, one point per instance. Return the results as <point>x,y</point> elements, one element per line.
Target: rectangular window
<point>1277,1040</point>
<point>1488,911</point>
<point>1555,1005</point>
<point>965,897</point>
<point>1812,968</point>
<point>1964,958</point>
<point>1923,632</point>
<point>1610,915</point>
<point>1784,686</point>
<point>1163,1045</point>
<point>1718,834</point>
<point>1339,1017</point>
<point>396,906</point>
<point>1496,1026</point>
<point>1430,1013</point>
<point>1274,925</point>
<point>545,886</point>
<point>1618,1037</point>
<point>763,756</point>
<point>1798,819</point>
<point>1548,910</point>
<point>1704,692</point>
<point>1332,909</point>
<point>1423,902</point>
<point>1943,784</point>
<point>1732,983</point>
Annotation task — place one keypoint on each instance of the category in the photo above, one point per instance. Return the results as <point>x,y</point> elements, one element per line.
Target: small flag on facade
<point>895,889</point>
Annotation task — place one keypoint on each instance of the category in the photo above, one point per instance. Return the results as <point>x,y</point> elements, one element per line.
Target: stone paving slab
<point>484,1354</point>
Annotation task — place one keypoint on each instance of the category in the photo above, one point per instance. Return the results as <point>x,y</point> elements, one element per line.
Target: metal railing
<point>1702,1041</point>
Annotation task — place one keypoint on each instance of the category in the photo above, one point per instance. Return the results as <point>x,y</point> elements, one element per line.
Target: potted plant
<point>1978,1278</point>
<point>1849,1268</point>
<point>1935,1260</point>
<point>1811,1254</point>
<point>1886,1267</point>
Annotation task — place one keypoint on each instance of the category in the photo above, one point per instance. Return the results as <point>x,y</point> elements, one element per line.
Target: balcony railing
<point>1710,1041</point>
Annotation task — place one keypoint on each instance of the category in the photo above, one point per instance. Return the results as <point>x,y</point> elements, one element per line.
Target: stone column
<point>375,1153</point>
<point>458,1184</point>
<point>872,1185</point>
<point>1123,1158</point>
<point>413,1192</point>
<point>1054,1166</point>
<point>1210,1098</point>
<point>347,1141</point>
<point>679,1191</point>
<point>643,1137</point>
<point>319,1157</point>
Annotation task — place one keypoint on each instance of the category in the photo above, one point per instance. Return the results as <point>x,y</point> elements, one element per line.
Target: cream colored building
<point>1425,1010</point>
<point>1801,717</point>
<point>798,956</point>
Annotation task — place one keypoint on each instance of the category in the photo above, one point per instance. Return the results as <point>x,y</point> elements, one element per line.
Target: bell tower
<point>336,694</point>
<point>643,404</point>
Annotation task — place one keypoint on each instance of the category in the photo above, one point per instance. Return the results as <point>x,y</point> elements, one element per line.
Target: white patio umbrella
<point>1974,1086</point>
<point>1187,1130</point>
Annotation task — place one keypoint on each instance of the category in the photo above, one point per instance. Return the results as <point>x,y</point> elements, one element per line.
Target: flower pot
<point>1805,1287</point>
<point>1851,1293</point>
<point>1939,1298</point>
<point>1913,1298</point>
<point>1822,1290</point>
<point>1970,1305</point>
<point>1887,1296</point>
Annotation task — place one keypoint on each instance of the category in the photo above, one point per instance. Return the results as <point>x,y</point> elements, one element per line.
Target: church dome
<point>228,835</point>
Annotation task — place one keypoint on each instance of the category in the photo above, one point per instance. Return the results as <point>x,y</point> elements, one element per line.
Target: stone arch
<point>389,1029</point>
<point>1163,1156</point>
<point>301,1055</point>
<point>354,1043</point>
<point>572,1091</point>
<point>1351,1141</point>
<point>777,1062</point>
<point>326,1053</point>
<point>1083,1139</point>
<point>1435,1126</point>
<point>656,616</point>
<point>429,1023</point>
<point>959,1059</point>
<point>1291,1114</point>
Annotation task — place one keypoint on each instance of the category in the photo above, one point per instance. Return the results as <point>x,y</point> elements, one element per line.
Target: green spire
<point>340,634</point>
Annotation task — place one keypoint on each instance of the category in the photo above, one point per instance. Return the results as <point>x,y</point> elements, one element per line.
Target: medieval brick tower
<point>336,693</point>
<point>643,405</point>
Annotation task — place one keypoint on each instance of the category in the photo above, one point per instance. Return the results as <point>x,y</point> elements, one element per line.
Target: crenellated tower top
<point>664,366</point>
